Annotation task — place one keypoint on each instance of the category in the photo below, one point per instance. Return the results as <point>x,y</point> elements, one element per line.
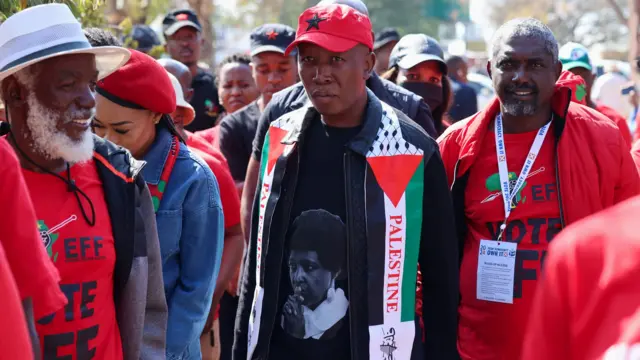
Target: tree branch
<point>618,10</point>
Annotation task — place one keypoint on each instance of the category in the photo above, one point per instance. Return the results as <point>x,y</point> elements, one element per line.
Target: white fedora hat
<point>47,31</point>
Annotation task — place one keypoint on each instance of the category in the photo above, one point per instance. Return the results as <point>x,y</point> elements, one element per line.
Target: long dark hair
<point>439,113</point>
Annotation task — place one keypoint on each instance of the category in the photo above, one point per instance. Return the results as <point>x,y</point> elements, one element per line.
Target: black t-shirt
<point>204,101</point>
<point>237,131</point>
<point>313,319</point>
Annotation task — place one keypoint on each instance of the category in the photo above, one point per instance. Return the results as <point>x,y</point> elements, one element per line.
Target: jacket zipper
<point>557,163</point>
<point>347,182</point>
<point>287,214</point>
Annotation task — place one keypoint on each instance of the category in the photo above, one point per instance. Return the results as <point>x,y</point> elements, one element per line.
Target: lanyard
<point>157,191</point>
<point>510,192</point>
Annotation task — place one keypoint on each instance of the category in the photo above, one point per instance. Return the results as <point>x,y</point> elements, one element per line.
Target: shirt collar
<point>157,156</point>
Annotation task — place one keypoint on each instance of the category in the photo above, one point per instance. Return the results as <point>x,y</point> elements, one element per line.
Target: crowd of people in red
<point>318,197</point>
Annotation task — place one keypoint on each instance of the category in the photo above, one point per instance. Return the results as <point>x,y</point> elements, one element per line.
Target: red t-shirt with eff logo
<point>492,330</point>
<point>85,256</point>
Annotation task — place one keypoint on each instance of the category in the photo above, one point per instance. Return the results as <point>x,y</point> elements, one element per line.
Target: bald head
<point>181,72</point>
<point>355,4</point>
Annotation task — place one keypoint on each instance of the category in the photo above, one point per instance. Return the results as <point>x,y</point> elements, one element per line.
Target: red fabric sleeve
<point>35,274</point>
<point>635,154</point>
<point>629,182</point>
<point>228,196</point>
<point>228,193</point>
<point>14,338</point>
<point>449,150</point>
<point>548,329</point>
<point>619,120</point>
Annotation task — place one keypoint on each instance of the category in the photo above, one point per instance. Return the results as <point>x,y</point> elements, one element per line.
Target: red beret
<point>142,83</point>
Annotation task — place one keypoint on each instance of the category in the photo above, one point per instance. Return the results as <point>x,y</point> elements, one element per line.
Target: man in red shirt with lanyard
<point>94,213</point>
<point>521,170</point>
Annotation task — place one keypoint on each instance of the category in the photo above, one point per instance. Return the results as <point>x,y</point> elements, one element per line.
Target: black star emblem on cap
<point>314,21</point>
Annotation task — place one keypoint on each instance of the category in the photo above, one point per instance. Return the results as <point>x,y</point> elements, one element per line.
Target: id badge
<point>496,271</point>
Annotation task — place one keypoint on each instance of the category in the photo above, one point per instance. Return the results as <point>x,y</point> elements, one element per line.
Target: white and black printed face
<point>309,279</point>
<point>316,305</point>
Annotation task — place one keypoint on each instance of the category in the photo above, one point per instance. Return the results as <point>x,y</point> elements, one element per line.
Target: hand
<point>294,317</point>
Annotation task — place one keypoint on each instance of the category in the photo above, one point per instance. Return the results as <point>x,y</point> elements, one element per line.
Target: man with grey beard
<point>520,171</point>
<point>95,213</point>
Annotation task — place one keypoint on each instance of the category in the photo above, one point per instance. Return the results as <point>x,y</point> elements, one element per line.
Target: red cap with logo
<point>337,28</point>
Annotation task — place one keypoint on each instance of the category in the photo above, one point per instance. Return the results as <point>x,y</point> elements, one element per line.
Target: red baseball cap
<point>337,28</point>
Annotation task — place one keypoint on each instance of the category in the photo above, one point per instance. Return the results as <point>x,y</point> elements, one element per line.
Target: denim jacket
<point>191,231</point>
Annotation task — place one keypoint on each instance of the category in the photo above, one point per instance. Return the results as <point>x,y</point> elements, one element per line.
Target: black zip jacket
<point>437,257</point>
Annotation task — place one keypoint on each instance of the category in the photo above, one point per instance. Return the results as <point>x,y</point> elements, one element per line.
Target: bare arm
<point>231,261</point>
<point>248,195</point>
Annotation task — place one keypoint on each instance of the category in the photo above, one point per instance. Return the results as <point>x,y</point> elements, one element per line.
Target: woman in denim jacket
<point>132,107</point>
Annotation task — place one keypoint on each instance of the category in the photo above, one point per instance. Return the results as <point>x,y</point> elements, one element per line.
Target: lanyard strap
<point>157,191</point>
<point>510,192</point>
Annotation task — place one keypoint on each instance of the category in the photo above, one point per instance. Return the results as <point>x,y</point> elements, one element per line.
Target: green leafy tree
<point>89,12</point>
<point>409,16</point>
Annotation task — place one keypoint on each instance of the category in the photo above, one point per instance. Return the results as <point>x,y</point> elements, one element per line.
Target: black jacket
<point>437,256</point>
<point>141,307</point>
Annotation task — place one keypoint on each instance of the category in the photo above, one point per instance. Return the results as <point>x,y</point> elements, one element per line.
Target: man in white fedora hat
<point>95,214</point>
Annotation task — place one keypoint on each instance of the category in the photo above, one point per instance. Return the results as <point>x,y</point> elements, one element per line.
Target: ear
<point>558,70</point>
<point>13,93</point>
<point>489,69</point>
<point>370,63</point>
<point>155,117</point>
<point>188,95</point>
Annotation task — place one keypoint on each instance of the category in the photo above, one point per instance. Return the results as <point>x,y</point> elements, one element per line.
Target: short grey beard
<point>52,143</point>
<point>520,109</point>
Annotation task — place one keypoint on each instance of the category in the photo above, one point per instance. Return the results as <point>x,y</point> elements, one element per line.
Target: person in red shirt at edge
<point>566,161</point>
<point>94,214</point>
<point>233,241</point>
<point>586,305</point>
<point>35,275</point>
<point>575,58</point>
<point>236,89</point>
<point>14,337</point>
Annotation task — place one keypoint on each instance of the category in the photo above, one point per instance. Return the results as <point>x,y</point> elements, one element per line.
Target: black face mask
<point>430,93</point>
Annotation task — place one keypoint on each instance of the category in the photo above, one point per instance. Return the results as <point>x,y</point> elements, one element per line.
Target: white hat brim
<point>108,60</point>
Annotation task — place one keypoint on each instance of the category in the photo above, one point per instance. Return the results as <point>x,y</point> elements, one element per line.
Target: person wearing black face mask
<point>417,64</point>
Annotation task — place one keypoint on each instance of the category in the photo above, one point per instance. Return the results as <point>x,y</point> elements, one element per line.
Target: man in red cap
<point>347,167</point>
<point>295,97</point>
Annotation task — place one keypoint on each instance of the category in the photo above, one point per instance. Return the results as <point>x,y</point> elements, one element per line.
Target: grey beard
<point>520,109</point>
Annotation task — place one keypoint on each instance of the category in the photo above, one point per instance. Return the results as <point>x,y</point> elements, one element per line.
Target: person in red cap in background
<point>132,109</point>
<point>522,169</point>
<point>94,213</point>
<point>25,258</point>
<point>233,243</point>
<point>587,303</point>
<point>347,180</point>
